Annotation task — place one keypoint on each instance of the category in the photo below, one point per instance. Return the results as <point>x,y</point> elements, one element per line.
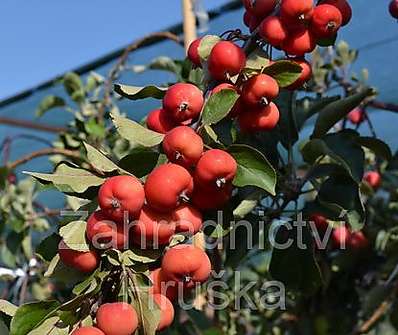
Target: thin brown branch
<point>43,152</point>
<point>376,316</point>
<point>114,72</point>
<point>383,105</point>
<point>31,125</point>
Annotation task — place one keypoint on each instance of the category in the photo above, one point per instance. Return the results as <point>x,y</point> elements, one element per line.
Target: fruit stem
<point>115,203</point>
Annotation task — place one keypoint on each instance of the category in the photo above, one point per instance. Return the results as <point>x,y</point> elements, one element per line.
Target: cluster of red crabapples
<point>171,201</point>
<point>296,26</point>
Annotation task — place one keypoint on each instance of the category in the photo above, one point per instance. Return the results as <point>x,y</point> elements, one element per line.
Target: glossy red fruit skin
<point>358,241</point>
<point>207,198</point>
<point>340,237</point>
<point>326,21</point>
<point>152,228</point>
<point>306,73</point>
<point>101,230</point>
<point>373,178</point>
<point>166,185</point>
<point>117,318</point>
<point>260,90</point>
<point>183,102</point>
<point>247,17</point>
<point>120,196</point>
<point>83,261</point>
<point>260,8</point>
<point>193,52</point>
<point>158,120</point>
<point>226,59</point>
<point>183,146</point>
<point>193,265</point>
<point>299,43</point>
<point>393,8</point>
<point>187,219</point>
<point>321,223</point>
<point>259,119</point>
<point>88,331</point>
<point>273,30</point>
<point>162,285</point>
<point>222,87</point>
<point>213,166</point>
<point>343,6</point>
<point>296,10</point>
<point>166,310</point>
<point>356,116</point>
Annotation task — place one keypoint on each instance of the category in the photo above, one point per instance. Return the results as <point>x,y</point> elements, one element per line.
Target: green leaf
<point>49,102</point>
<point>218,106</point>
<point>341,194</point>
<point>337,110</point>
<point>135,133</point>
<point>7,308</point>
<point>284,72</point>
<point>380,148</point>
<point>141,256</point>
<point>140,162</point>
<point>100,161</point>
<point>257,60</point>
<point>137,93</point>
<point>69,179</point>
<point>308,107</point>
<point>51,326</point>
<point>291,263</point>
<point>148,311</point>
<point>253,168</point>
<point>206,45</point>
<point>31,316</point>
<point>287,122</point>
<point>74,235</point>
<point>342,147</point>
<point>48,248</point>
<point>247,205</point>
<point>74,87</point>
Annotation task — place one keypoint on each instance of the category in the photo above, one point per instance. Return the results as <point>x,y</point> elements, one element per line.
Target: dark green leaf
<point>294,264</point>
<point>287,123</point>
<point>340,192</point>
<point>341,147</point>
<point>48,248</point>
<point>380,148</point>
<point>337,110</point>
<point>284,72</point>
<point>218,106</point>
<point>32,315</point>
<point>253,168</point>
<point>140,162</point>
<point>137,93</point>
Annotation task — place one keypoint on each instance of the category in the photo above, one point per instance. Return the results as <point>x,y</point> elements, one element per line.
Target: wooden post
<point>189,36</point>
<point>189,22</point>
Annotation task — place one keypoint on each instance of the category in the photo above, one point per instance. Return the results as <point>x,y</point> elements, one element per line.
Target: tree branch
<point>31,125</point>
<point>114,72</point>
<point>43,152</point>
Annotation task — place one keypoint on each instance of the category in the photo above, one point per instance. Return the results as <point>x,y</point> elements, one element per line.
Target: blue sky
<point>42,38</point>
